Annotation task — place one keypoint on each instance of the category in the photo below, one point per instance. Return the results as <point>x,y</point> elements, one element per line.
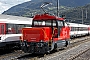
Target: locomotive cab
<point>46,34</point>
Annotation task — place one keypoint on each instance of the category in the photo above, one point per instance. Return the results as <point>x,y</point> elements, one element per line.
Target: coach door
<point>2,28</point>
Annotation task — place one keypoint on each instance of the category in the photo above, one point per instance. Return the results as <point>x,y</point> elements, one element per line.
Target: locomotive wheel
<point>66,44</point>
<point>24,47</point>
<point>55,47</point>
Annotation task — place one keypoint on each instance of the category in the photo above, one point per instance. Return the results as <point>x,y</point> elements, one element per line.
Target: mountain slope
<point>28,9</point>
<point>76,14</point>
<point>35,4</point>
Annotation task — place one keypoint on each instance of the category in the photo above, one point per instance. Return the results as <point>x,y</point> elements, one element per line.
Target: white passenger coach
<point>10,29</point>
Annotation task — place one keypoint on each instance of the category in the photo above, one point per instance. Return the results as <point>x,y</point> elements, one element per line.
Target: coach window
<point>72,28</point>
<point>11,28</point>
<point>82,29</point>
<point>20,26</point>
<point>85,28</point>
<point>78,28</point>
<point>14,29</point>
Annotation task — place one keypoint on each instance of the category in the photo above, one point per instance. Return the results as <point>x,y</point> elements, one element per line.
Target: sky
<point>6,4</point>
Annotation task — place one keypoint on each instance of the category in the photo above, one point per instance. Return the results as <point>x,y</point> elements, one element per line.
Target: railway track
<point>20,55</point>
<point>77,55</point>
<point>70,53</point>
<point>11,56</point>
<point>83,56</point>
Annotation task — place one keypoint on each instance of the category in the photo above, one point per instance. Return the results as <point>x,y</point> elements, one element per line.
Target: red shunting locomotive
<point>46,34</point>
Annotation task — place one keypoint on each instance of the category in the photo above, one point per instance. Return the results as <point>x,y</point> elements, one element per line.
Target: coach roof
<point>15,18</point>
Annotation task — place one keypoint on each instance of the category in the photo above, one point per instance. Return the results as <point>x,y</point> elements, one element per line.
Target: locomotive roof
<point>46,17</point>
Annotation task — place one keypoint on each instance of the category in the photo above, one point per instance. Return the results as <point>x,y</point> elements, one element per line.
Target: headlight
<point>41,40</point>
<point>24,40</point>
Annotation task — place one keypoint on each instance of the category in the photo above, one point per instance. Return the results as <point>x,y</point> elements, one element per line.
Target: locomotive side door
<point>60,25</point>
<point>62,34</point>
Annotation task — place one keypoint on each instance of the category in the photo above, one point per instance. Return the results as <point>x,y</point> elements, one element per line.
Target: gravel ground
<point>66,54</point>
<point>84,56</point>
<point>71,53</point>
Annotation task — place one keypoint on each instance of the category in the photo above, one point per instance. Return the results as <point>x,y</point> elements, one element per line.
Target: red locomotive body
<point>46,34</point>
